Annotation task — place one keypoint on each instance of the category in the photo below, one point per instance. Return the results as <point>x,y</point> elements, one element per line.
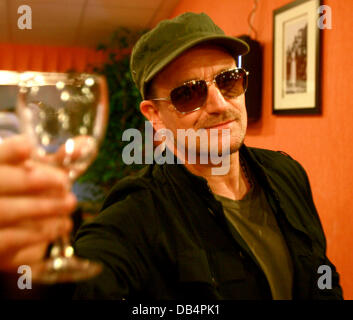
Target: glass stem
<point>61,248</point>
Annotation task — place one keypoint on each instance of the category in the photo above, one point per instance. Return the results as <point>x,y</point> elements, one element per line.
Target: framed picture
<point>296,58</point>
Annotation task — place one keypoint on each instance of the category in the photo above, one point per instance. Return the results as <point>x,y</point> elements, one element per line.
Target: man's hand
<point>35,205</point>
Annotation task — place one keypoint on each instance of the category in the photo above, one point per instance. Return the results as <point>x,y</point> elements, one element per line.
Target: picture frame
<point>297,58</point>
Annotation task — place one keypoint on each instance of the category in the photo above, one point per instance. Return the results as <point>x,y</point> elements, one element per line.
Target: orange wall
<point>44,58</point>
<point>321,143</point>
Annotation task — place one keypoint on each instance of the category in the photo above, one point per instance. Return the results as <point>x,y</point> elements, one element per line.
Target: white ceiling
<point>79,22</point>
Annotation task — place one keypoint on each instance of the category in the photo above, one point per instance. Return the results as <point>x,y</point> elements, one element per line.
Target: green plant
<point>124,111</point>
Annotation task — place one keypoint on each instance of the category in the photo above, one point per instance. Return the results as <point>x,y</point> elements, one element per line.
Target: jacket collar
<point>181,176</point>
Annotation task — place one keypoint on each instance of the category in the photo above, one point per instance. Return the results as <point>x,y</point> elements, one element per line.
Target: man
<point>178,231</point>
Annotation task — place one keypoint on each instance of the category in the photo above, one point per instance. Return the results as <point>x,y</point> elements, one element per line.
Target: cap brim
<point>234,46</point>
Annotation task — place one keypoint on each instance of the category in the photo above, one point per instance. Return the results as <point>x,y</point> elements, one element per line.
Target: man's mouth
<point>222,125</point>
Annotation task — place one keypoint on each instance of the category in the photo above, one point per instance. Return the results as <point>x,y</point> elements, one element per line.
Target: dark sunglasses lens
<point>232,83</point>
<point>189,96</point>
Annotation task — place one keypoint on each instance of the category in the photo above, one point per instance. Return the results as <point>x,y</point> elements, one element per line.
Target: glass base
<point>64,269</point>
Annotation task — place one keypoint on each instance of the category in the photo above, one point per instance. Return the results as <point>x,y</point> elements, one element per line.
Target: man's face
<point>202,62</point>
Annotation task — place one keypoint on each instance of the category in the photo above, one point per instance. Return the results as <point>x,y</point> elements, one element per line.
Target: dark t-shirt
<point>257,225</point>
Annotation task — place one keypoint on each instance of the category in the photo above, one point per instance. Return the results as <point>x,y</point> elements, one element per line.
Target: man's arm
<point>336,291</point>
<point>120,237</point>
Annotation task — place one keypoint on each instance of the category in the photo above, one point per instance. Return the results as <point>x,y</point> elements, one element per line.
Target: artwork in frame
<point>296,58</point>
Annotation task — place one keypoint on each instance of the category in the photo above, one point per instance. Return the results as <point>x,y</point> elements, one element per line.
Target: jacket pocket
<point>195,278</point>
<point>193,266</point>
<point>228,266</point>
<point>234,281</point>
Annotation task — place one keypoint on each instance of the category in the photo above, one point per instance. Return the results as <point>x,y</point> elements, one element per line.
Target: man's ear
<point>151,112</point>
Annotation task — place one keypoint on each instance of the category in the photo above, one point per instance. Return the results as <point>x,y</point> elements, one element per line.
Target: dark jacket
<point>163,235</point>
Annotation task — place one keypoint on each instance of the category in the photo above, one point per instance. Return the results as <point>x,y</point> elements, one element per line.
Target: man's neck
<point>233,185</point>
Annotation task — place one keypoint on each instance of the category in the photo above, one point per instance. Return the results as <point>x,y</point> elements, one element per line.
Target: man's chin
<point>234,147</point>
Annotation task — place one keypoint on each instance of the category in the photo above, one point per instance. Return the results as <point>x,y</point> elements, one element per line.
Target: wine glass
<point>9,124</point>
<point>65,117</point>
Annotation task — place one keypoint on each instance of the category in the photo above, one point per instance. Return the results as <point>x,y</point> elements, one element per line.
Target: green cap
<point>170,38</point>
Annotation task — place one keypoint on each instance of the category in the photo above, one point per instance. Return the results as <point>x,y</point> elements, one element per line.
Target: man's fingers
<point>15,149</point>
<point>22,243</point>
<point>25,256</point>
<point>21,208</point>
<point>20,180</point>
<point>29,234</point>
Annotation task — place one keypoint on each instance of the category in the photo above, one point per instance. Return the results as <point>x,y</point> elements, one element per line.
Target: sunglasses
<point>192,95</point>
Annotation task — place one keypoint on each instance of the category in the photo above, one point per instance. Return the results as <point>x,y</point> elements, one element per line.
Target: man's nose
<point>215,102</point>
